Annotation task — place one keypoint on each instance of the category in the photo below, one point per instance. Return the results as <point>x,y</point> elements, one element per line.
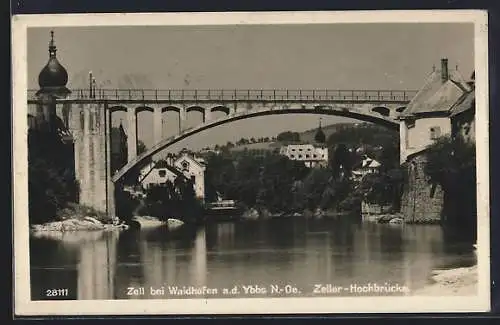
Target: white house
<point>445,106</point>
<point>159,174</point>
<point>429,114</point>
<point>368,166</point>
<point>184,165</point>
<point>311,156</point>
<point>194,169</point>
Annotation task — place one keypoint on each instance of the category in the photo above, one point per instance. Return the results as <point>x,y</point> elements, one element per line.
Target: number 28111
<point>56,292</point>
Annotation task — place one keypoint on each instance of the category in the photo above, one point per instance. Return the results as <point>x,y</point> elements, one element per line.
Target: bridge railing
<point>241,95</point>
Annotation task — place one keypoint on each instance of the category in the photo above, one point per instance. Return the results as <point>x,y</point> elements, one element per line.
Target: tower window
<point>435,132</point>
<point>162,173</point>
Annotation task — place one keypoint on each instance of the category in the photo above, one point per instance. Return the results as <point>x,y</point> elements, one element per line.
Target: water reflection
<point>103,265</point>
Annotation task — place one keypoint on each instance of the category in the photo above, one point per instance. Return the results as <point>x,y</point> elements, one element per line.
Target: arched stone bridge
<point>86,111</point>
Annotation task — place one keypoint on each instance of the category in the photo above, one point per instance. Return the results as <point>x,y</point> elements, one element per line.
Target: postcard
<point>251,163</point>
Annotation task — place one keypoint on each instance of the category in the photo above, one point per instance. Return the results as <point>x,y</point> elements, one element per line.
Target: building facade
<point>368,166</point>
<point>443,107</point>
<point>185,165</point>
<point>311,155</point>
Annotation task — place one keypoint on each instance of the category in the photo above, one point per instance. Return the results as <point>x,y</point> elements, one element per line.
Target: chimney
<point>444,70</point>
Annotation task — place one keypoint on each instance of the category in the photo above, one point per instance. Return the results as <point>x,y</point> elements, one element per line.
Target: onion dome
<point>53,76</point>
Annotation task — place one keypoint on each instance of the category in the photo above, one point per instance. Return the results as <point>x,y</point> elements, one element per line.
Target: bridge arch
<point>220,108</point>
<point>144,108</point>
<point>165,143</point>
<point>382,110</point>
<point>195,108</point>
<point>170,108</point>
<point>118,108</point>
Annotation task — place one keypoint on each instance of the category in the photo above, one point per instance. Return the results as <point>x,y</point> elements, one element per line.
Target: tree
<point>51,182</point>
<point>288,136</point>
<point>451,163</point>
<point>141,147</point>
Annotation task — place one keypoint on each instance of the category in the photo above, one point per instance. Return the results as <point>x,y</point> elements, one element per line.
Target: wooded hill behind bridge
<point>341,130</point>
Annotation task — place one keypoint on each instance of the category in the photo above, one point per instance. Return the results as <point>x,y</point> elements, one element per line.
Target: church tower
<point>52,81</point>
<point>320,137</point>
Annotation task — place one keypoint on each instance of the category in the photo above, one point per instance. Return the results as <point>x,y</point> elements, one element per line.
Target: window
<point>435,132</point>
<point>315,156</point>
<point>307,156</point>
<point>300,156</point>
<point>162,173</point>
<point>410,123</point>
<point>292,156</point>
<point>185,165</point>
<point>193,178</point>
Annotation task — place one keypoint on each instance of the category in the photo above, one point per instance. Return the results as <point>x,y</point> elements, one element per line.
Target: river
<point>298,256</point>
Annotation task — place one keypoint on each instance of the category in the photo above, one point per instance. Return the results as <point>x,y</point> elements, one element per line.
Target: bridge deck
<point>224,95</point>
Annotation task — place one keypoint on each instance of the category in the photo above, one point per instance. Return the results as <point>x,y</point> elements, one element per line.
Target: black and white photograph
<point>204,163</point>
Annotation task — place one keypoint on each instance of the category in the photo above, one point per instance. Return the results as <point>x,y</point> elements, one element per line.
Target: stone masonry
<point>89,126</point>
<point>421,201</point>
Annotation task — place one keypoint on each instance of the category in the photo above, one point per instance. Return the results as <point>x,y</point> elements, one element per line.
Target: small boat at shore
<point>223,210</point>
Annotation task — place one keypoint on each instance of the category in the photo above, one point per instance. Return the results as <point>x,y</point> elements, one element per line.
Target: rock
<point>319,213</point>
<point>93,220</point>
<point>251,214</point>
<point>396,221</point>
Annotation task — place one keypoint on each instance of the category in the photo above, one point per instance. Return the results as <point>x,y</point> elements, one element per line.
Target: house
<point>444,106</point>
<point>169,169</point>
<point>311,156</point>
<point>368,166</point>
<point>192,168</point>
<point>159,174</point>
<point>429,115</point>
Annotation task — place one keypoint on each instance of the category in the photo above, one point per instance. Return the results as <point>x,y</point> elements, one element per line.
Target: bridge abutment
<point>92,156</point>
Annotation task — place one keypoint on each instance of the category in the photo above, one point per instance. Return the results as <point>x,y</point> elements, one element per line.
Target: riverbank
<point>263,213</point>
<point>79,218</point>
<point>457,282</point>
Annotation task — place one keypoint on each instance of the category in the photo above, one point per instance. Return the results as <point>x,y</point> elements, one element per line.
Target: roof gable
<point>467,103</point>
<point>438,96</point>
<point>190,159</point>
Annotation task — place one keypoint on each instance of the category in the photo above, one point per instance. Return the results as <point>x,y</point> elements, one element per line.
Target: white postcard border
<point>23,305</point>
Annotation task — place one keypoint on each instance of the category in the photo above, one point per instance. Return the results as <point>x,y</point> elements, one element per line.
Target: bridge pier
<point>207,115</point>
<point>93,155</point>
<point>131,133</point>
<point>182,119</point>
<point>157,125</point>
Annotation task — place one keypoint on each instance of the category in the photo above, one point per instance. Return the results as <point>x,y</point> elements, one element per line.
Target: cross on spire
<point>52,45</point>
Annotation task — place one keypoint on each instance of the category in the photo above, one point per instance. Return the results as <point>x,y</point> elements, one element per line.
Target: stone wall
<point>421,201</point>
<point>87,124</point>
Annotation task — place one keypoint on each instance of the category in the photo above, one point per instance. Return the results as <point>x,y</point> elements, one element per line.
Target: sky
<point>378,56</point>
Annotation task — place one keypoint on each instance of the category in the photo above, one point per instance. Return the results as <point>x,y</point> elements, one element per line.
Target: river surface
<point>287,257</point>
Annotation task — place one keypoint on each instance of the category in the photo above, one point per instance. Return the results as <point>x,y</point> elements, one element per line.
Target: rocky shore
<point>78,218</point>
<point>456,282</point>
<point>263,213</point>
<point>77,224</point>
